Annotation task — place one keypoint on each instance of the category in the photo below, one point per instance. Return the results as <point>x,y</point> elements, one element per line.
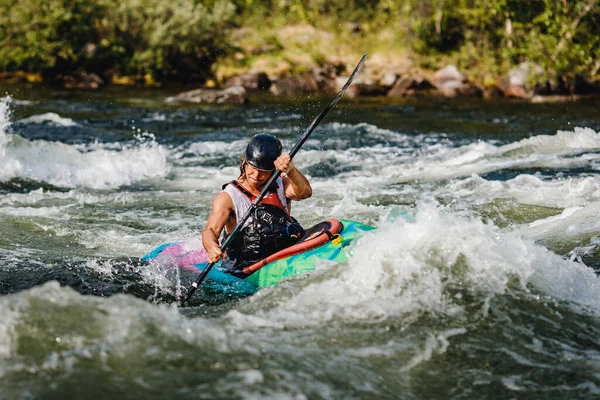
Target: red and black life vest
<point>268,230</point>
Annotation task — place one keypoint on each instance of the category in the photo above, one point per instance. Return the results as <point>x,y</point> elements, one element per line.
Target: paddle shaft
<point>272,180</point>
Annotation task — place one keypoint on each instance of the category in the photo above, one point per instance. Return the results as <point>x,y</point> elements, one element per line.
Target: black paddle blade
<point>349,81</point>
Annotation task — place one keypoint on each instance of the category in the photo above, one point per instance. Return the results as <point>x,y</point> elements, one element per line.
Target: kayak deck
<point>323,242</point>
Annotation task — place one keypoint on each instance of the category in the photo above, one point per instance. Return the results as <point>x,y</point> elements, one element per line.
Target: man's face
<point>256,177</point>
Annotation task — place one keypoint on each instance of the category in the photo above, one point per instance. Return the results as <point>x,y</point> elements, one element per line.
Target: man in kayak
<point>270,228</point>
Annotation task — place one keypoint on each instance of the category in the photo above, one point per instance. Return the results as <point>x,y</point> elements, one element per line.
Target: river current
<point>489,290</point>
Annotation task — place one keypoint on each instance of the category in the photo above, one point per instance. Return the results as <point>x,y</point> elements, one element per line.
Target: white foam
<point>528,189</point>
<point>34,212</point>
<point>404,268</point>
<point>122,319</point>
<point>564,142</point>
<point>544,151</point>
<point>567,212</point>
<point>212,147</point>
<point>156,116</point>
<point>63,165</point>
<point>48,118</point>
<point>95,166</point>
<point>4,124</point>
<point>572,223</point>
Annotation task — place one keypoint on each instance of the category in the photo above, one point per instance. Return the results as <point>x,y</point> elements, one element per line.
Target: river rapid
<point>489,289</point>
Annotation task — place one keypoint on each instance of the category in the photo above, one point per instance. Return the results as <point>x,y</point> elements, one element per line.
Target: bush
<point>166,38</point>
<point>37,35</point>
<point>163,38</point>
<point>184,38</point>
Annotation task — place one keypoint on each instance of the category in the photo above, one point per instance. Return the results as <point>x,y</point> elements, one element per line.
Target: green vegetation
<point>191,39</point>
<point>180,38</point>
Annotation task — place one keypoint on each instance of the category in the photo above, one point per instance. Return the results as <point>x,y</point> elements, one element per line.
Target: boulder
<point>447,74</point>
<point>80,80</point>
<point>556,98</point>
<point>388,79</point>
<point>295,85</point>
<point>517,82</point>
<point>352,91</point>
<point>407,86</point>
<point>231,95</point>
<point>450,82</point>
<point>360,88</point>
<point>251,80</point>
<point>452,89</point>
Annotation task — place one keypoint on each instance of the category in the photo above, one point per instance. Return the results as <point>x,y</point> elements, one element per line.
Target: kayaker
<point>271,227</point>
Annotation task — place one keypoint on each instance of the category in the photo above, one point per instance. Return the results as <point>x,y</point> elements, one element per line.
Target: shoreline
<point>169,91</point>
<point>373,81</point>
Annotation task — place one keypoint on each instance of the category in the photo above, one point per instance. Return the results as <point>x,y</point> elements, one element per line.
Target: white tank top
<point>241,203</point>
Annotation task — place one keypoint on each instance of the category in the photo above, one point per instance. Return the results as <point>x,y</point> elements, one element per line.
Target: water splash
<point>566,149</point>
<point>4,124</point>
<point>48,118</point>
<point>429,266</point>
<point>95,166</point>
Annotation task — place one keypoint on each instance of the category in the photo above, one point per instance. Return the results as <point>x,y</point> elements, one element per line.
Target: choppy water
<point>491,291</point>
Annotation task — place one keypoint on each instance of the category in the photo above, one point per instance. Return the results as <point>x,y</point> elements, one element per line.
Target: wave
<point>563,143</point>
<point>65,166</point>
<point>431,265</point>
<point>528,189</point>
<point>566,149</point>
<point>95,166</point>
<point>4,122</point>
<point>48,118</point>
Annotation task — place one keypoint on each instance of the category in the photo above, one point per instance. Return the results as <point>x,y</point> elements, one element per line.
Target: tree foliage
<point>184,37</point>
<point>164,38</point>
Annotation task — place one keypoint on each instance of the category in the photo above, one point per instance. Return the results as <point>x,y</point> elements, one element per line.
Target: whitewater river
<point>488,289</point>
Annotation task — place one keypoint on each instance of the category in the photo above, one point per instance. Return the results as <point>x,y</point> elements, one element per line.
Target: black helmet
<point>263,149</point>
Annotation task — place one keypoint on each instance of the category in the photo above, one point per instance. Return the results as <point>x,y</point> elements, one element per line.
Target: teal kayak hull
<point>177,255</point>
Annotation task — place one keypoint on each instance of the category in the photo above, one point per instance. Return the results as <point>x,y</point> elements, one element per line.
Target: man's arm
<point>295,183</point>
<point>222,210</point>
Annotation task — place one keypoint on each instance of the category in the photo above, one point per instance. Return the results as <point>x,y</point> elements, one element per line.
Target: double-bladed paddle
<point>272,180</point>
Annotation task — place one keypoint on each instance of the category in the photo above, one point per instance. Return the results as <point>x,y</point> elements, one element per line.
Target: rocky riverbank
<point>522,82</point>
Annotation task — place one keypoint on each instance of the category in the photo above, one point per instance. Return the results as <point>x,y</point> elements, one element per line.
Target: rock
<point>406,86</point>
<point>447,74</point>
<point>325,73</point>
<point>360,88</point>
<point>388,79</point>
<point>251,80</point>
<point>295,85</point>
<point>513,90</point>
<point>352,91</point>
<point>554,99</point>
<point>326,77</point>
<point>450,82</point>
<point>231,95</point>
<point>81,80</point>
<point>452,89</point>
<point>492,92</point>
<point>516,84</point>
<point>370,89</point>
